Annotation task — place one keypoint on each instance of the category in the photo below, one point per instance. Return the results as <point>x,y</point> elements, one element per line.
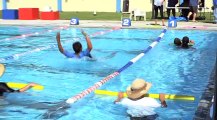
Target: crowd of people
<point>189,9</point>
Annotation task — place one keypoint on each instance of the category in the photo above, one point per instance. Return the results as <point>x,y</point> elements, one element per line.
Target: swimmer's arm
<point>162,100</point>
<point>89,44</point>
<point>191,43</point>
<point>30,85</point>
<point>59,43</point>
<point>120,97</point>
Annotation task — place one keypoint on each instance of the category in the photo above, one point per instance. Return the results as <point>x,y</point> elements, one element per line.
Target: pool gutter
<point>110,24</point>
<point>203,109</point>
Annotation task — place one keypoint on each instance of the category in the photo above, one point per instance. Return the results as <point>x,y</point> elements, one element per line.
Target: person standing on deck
<point>193,6</point>
<point>158,4</point>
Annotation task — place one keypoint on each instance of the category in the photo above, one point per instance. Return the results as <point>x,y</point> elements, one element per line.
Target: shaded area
<point>54,109</point>
<point>203,109</point>
<point>150,117</point>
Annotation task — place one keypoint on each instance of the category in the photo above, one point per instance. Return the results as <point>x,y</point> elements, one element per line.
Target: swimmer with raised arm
<point>77,47</point>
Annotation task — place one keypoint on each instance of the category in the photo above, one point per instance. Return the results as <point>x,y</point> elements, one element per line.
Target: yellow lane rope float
<point>21,85</point>
<point>167,96</point>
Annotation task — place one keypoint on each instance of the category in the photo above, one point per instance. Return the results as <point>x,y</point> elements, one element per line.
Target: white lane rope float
<point>18,55</point>
<point>34,33</point>
<point>87,91</point>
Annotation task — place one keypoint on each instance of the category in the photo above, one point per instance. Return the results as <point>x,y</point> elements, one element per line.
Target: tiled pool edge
<point>109,24</point>
<point>203,109</point>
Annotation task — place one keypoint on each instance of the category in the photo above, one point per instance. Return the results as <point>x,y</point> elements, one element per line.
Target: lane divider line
<point>35,33</point>
<point>18,55</point>
<point>104,80</point>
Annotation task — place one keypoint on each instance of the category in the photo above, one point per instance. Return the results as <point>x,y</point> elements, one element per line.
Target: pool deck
<point>109,24</point>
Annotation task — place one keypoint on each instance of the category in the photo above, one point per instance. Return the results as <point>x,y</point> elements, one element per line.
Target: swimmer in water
<point>4,88</point>
<point>77,47</point>
<point>184,43</point>
<point>137,90</point>
<point>136,102</point>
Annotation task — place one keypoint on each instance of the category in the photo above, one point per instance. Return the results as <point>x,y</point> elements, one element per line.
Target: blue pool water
<point>170,70</point>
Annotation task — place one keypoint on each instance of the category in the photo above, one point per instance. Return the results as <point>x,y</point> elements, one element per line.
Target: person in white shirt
<point>137,104</point>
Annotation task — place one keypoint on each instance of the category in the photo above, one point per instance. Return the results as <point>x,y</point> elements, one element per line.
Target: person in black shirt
<point>5,88</point>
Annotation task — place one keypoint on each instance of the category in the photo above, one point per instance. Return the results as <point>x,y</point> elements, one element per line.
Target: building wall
<point>89,5</point>
<point>86,5</point>
<point>143,5</point>
<point>0,4</point>
<point>41,4</point>
<point>209,3</point>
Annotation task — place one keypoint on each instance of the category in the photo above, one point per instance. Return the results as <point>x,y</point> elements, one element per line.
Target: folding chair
<point>139,13</point>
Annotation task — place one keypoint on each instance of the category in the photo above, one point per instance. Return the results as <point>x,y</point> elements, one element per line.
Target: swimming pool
<point>170,70</point>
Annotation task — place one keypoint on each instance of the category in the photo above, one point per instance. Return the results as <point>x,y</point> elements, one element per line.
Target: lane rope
<point>152,95</point>
<point>104,80</point>
<point>21,85</point>
<point>16,56</point>
<point>35,33</point>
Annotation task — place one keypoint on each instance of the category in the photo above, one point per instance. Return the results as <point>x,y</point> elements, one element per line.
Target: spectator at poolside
<point>137,104</point>
<point>158,4</point>
<point>77,47</point>
<point>184,12</point>
<point>171,3</point>
<point>4,87</point>
<point>193,5</point>
<point>215,10</point>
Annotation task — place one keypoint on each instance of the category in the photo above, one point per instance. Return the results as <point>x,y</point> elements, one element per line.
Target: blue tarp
<point>178,18</point>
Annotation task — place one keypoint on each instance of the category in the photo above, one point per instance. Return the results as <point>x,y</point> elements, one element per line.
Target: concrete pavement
<point>109,24</point>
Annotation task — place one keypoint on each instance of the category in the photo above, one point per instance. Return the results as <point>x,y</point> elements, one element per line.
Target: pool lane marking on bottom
<point>16,56</point>
<point>104,80</point>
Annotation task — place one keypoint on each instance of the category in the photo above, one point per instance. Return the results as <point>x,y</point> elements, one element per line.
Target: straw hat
<point>2,69</point>
<point>138,88</point>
